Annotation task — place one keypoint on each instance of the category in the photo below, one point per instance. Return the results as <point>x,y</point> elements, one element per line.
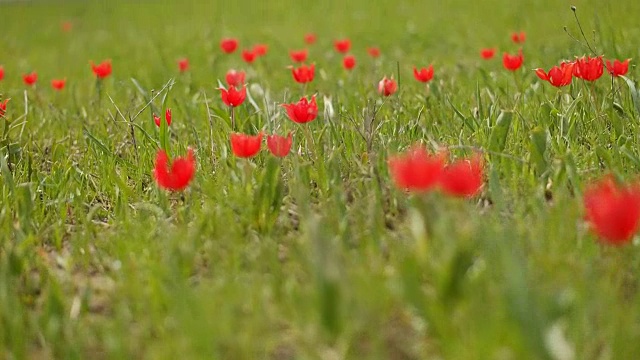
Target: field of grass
<point>317,255</point>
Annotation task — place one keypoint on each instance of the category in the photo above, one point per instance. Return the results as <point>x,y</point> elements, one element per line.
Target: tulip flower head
<point>512,62</point>
<point>183,64</point>
<point>558,76</point>
<point>463,178</point>
<point>349,62</point>
<point>235,78</point>
<point>487,53</point>
<point>58,84</point>
<point>618,68</point>
<point>245,146</point>
<point>588,68</point>
<point>233,97</point>
<point>304,73</point>
<point>167,117</point>
<point>387,86</point>
<point>303,111</point>
<point>1,73</point>
<point>178,174</point>
<point>310,38</point>
<point>279,145</point>
<point>518,38</point>
<point>416,170</point>
<point>260,49</point>
<point>3,107</point>
<point>228,45</point>
<point>613,210</point>
<point>298,55</point>
<point>249,56</point>
<point>30,79</point>
<point>373,51</point>
<point>102,70</point>
<point>342,46</point>
<point>424,74</point>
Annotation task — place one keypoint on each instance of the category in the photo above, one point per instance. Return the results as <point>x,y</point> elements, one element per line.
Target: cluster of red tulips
<point>612,209</point>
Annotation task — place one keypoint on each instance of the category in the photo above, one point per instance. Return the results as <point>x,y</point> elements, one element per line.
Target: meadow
<point>322,253</point>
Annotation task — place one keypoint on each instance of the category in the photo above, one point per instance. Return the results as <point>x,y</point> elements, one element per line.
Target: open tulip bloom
<point>558,76</point>
<point>246,146</point>
<point>178,174</point>
<point>617,67</point>
<point>303,111</point>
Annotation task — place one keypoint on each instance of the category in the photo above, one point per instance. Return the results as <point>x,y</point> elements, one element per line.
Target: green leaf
<point>538,148</point>
<point>498,137</point>
<point>635,94</point>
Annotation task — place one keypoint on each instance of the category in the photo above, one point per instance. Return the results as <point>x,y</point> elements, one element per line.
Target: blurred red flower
<point>233,97</point>
<point>1,73</point>
<point>30,79</point>
<point>416,170</point>
<point>424,74</point>
<point>387,87</point>
<point>310,38</point>
<point>349,62</point>
<point>518,38</point>
<point>3,107</point>
<point>102,70</point>
<point>303,111</point>
<point>167,117</point>
<point>249,55</point>
<point>229,45</point>
<point>245,146</point>
<point>618,68</point>
<point>342,46</point>
<point>512,62</point>
<point>298,55</point>
<point>557,76</point>
<point>260,49</point>
<point>588,68</point>
<point>183,64</point>
<point>613,210</point>
<point>373,51</point>
<point>487,53</point>
<point>463,178</point>
<point>58,84</point>
<point>304,73</point>
<point>279,145</point>
<point>179,175</point>
<point>235,78</point>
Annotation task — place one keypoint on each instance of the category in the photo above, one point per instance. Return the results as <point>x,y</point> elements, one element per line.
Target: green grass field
<point>316,255</point>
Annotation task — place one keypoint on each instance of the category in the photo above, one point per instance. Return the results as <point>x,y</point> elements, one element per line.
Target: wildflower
<point>618,68</point>
<point>228,45</point>
<point>58,84</point>
<point>167,117</point>
<point>30,79</point>
<point>487,53</point>
<point>310,38</point>
<point>102,70</point>
<point>179,175</point>
<point>373,51</point>
<point>249,55</point>
<point>349,62</point>
<point>235,78</point>
<point>612,210</point>
<point>303,74</point>
<point>512,62</point>
<point>416,170</point>
<point>342,46</point>
<point>245,146</point>
<point>588,68</point>
<point>279,145</point>
<point>424,74</point>
<point>3,107</point>
<point>183,64</point>
<point>303,111</point>
<point>66,26</point>
<point>298,55</point>
<point>518,38</point>
<point>233,97</point>
<point>260,49</point>
<point>557,76</point>
<point>1,73</point>
<point>463,178</point>
<point>387,87</point>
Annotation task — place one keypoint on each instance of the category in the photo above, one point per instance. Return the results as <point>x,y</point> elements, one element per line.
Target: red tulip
<point>298,55</point>
<point>3,107</point>
<point>235,78</point>
<point>617,68</point>
<point>66,26</point>
<point>424,74</point>
<point>588,68</point>
<point>58,84</point>
<point>416,170</point>
<point>179,175</point>
<point>102,70</point>
<point>387,87</point>
<point>30,79</point>
<point>518,38</point>
<point>303,111</point>
<point>233,97</point>
<point>1,73</point>
<point>260,49</point>
<point>463,178</point>
<point>342,46</point>
<point>349,62</point>
<point>183,64</point>
<point>558,76</point>
<point>167,116</point>
<point>229,45</point>
<point>279,145</point>
<point>512,62</point>
<point>310,38</point>
<point>249,55</point>
<point>304,74</point>
<point>374,52</point>
<point>246,146</point>
<point>487,53</point>
<point>613,210</point>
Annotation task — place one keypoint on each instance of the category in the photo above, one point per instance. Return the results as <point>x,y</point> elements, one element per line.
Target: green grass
<point>317,255</point>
